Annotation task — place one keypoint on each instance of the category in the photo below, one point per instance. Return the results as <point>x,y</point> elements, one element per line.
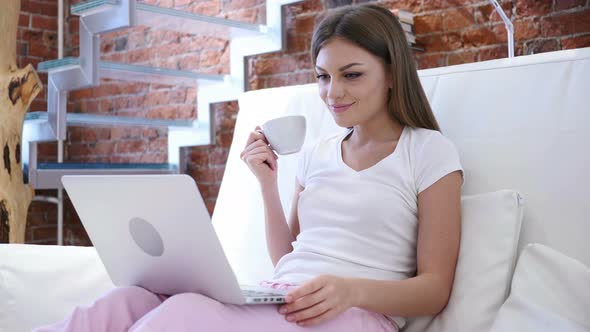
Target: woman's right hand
<point>260,158</point>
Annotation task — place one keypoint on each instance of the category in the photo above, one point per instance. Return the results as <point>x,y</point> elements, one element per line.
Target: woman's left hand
<point>318,300</point>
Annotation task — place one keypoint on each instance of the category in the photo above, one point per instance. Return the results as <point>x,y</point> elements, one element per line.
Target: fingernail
<point>290,318</point>
<point>283,310</point>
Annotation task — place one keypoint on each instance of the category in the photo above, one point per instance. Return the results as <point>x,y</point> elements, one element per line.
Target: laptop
<point>154,231</point>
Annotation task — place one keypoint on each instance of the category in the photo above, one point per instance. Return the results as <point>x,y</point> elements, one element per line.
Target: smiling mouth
<point>342,108</point>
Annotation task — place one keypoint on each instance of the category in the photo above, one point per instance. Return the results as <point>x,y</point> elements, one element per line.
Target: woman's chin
<point>342,122</point>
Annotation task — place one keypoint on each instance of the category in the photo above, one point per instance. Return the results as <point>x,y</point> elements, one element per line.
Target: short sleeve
<point>436,158</point>
<point>303,165</point>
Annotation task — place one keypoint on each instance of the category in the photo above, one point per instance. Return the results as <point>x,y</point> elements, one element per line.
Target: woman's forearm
<point>424,295</point>
<point>278,234</point>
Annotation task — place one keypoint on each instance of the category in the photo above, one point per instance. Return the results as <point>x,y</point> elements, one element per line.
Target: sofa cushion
<point>489,239</point>
<point>550,292</point>
<point>42,284</point>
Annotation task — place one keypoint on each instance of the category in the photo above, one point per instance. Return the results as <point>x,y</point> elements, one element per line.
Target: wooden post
<point>18,87</point>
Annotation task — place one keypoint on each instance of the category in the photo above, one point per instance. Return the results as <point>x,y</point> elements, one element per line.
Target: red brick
<point>205,42</point>
<point>24,20</point>
<point>158,37</point>
<point>304,77</point>
<point>73,24</point>
<point>209,8</point>
<point>431,61</point>
<point>303,61</point>
<point>162,112</point>
<point>304,25</point>
<point>461,58</point>
<point>190,62</point>
<point>541,46</point>
<point>77,149</point>
<point>139,56</point>
<point>158,144</point>
<point>527,29</point>
<point>210,204</point>
<point>487,13</point>
<point>131,146</point>
<point>439,43</point>
<point>526,8</point>
<point>275,66</point>
<point>39,8</point>
<point>576,42</point>
<point>102,148</point>
<point>250,15</point>
<point>209,58</point>
<point>428,24</point>
<point>566,24</point>
<point>43,22</point>
<point>428,5</point>
<point>567,4</point>
<point>457,19</point>
<point>241,4</point>
<point>299,43</point>
<point>199,157</point>
<point>275,81</point>
<point>40,50</point>
<point>306,7</point>
<point>479,37</point>
<point>224,139</point>
<point>154,157</point>
<point>218,156</point>
<point>497,52</point>
<point>203,174</point>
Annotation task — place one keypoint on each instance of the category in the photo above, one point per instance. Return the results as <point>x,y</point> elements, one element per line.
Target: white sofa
<point>521,123</point>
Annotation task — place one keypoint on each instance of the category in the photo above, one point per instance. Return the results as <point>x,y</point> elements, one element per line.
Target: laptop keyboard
<point>254,293</point>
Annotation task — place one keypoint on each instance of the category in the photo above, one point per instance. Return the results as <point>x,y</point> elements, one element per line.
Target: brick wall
<point>37,42</point>
<point>451,31</point>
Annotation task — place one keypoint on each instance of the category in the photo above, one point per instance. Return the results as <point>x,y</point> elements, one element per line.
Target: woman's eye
<point>352,75</point>
<point>321,76</point>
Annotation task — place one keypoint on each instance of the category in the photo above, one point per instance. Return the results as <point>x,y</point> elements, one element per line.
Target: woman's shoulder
<point>424,141</point>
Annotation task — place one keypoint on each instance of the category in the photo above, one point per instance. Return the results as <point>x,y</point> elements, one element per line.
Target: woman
<point>374,231</point>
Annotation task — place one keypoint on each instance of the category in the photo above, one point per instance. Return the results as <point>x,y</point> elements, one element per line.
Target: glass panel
<point>78,8</point>
<point>138,73</point>
<point>177,20</point>
<point>45,66</point>
<point>151,166</point>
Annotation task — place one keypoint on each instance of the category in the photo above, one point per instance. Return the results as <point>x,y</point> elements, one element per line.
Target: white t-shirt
<point>364,224</point>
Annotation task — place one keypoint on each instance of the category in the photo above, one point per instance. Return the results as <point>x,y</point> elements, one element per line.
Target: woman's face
<point>352,82</point>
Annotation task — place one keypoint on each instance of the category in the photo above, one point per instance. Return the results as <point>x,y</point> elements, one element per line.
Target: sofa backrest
<point>519,123</point>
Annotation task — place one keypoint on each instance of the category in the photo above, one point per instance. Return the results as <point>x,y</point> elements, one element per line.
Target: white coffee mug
<point>285,134</point>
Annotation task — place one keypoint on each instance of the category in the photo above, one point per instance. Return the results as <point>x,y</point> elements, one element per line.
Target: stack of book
<point>406,19</point>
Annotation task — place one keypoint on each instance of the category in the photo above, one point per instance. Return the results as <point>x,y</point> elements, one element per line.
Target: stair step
<point>136,73</point>
<point>79,119</point>
<point>48,175</point>
<point>176,20</point>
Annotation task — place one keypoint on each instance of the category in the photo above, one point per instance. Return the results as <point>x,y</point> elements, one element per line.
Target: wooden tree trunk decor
<point>18,87</point>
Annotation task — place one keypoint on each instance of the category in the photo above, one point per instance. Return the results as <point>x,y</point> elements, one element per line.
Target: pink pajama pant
<point>136,309</point>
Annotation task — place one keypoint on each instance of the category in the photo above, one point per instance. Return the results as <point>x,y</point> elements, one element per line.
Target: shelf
<point>48,175</point>
<point>176,20</point>
<point>136,73</point>
<point>80,119</point>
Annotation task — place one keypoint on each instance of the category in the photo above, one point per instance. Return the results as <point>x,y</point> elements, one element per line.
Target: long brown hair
<point>378,31</point>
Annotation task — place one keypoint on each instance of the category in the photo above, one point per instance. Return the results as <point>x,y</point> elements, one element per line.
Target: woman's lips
<point>341,108</point>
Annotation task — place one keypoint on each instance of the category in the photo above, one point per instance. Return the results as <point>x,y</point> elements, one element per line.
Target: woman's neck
<point>378,130</point>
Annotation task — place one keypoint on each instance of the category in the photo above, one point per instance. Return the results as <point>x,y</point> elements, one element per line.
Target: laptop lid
<point>154,231</point>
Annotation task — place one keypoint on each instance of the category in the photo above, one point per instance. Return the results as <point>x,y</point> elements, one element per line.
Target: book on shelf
<point>404,16</point>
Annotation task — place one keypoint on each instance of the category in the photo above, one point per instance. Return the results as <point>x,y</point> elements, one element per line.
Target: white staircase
<point>70,74</point>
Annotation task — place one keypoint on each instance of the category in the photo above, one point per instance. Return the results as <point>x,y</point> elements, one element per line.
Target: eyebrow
<point>343,67</point>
